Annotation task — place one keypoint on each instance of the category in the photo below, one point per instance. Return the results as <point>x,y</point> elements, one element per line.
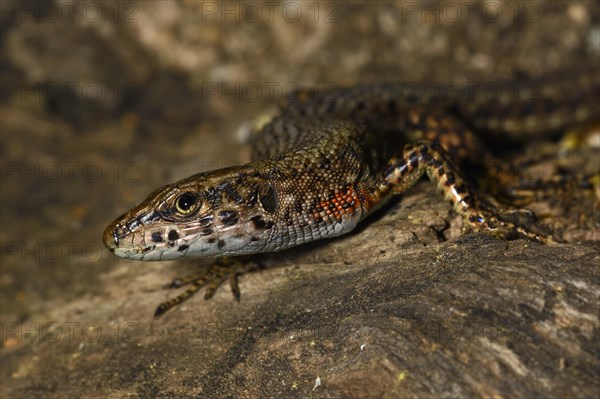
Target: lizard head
<point>223,212</point>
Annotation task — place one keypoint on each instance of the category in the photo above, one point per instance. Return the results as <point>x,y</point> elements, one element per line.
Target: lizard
<point>329,159</point>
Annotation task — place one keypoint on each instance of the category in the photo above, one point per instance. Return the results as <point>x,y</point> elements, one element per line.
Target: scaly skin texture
<point>328,161</point>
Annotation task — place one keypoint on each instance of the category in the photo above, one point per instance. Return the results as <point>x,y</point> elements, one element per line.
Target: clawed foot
<point>506,223</point>
<point>211,278</point>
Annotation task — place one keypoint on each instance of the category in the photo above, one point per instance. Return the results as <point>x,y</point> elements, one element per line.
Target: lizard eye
<point>186,203</point>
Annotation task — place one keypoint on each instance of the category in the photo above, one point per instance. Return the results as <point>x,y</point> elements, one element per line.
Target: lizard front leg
<point>212,277</point>
<point>425,156</point>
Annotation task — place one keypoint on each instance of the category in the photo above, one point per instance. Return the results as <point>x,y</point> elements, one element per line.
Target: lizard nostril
<point>119,232</point>
<point>113,233</point>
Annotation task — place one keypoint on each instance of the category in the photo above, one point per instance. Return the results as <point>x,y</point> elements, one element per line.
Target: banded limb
<point>425,156</point>
<point>211,278</point>
<point>461,144</point>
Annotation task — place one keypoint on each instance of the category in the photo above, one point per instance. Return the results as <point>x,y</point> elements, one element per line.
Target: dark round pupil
<point>186,201</point>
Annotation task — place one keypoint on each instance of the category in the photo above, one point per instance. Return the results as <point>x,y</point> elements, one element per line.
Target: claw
<point>211,278</point>
<point>235,288</point>
<point>506,223</point>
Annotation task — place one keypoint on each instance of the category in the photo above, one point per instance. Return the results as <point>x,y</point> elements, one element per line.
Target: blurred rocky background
<point>102,102</point>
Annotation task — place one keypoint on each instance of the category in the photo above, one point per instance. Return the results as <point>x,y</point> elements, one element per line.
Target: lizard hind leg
<point>425,156</point>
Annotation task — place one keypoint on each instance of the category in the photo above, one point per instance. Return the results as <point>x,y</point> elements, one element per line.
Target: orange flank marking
<point>343,203</point>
